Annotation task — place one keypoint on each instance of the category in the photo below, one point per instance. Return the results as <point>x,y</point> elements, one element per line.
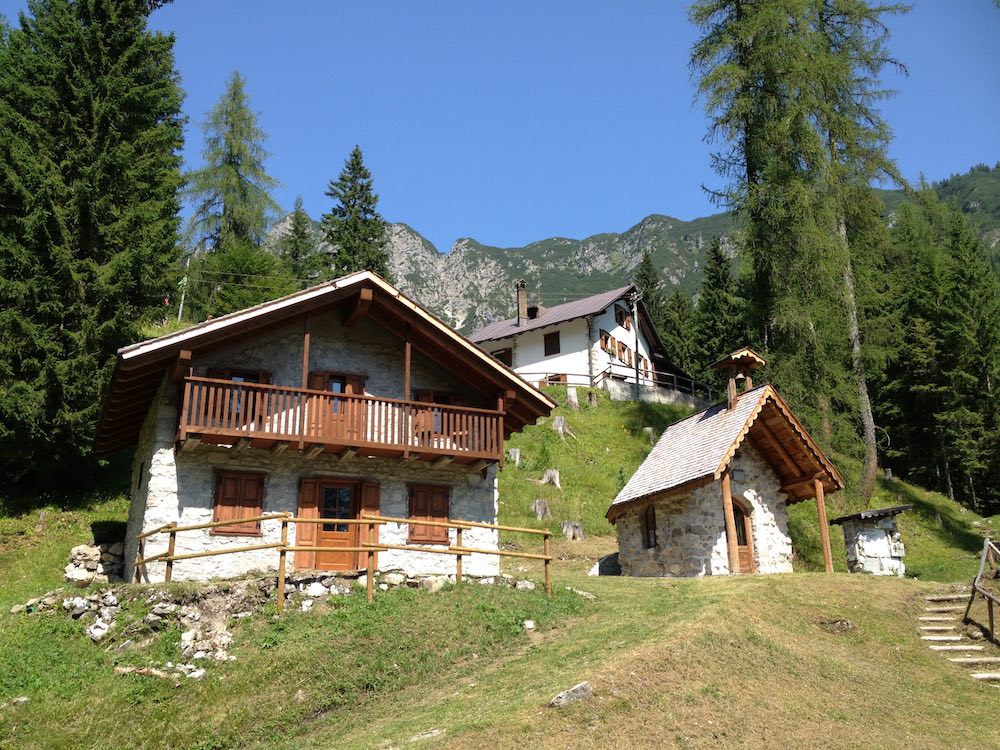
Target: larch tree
<point>91,132</point>
<point>233,207</point>
<point>354,226</point>
<point>678,331</point>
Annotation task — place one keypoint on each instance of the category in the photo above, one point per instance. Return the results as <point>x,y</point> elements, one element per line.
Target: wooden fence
<point>989,569</point>
<point>370,547</point>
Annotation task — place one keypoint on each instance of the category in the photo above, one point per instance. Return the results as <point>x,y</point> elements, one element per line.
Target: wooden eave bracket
<point>182,365</point>
<point>359,306</point>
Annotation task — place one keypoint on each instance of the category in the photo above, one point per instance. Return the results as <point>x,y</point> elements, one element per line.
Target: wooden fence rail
<point>989,569</point>
<point>370,547</point>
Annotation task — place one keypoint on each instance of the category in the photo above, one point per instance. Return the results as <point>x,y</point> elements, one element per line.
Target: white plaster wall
<point>529,354</point>
<point>691,528</point>
<point>181,488</point>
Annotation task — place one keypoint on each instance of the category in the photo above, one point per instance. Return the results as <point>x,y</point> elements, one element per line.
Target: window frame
<point>507,358</point>
<point>418,533</point>
<point>551,344</point>
<point>252,528</point>
<point>647,526</point>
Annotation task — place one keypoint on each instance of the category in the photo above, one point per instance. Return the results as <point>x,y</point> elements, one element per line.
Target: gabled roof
<point>697,450</point>
<point>552,315</point>
<point>140,367</point>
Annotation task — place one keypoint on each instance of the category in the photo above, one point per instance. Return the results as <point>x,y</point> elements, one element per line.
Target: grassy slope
<point>735,662</point>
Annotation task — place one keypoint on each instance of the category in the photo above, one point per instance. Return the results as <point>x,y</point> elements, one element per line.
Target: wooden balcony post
<point>406,431</point>
<point>824,526</point>
<point>185,409</point>
<point>371,561</point>
<point>730,518</point>
<point>306,337</point>
<point>282,553</point>
<point>458,558</point>
<point>168,576</point>
<point>547,549</point>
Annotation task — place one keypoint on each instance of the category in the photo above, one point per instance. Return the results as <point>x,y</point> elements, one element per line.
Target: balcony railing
<point>223,411</point>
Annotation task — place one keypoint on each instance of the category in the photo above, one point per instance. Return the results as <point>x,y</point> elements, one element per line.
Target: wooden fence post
<point>458,557</point>
<point>283,552</point>
<point>371,561</point>
<point>141,556</point>
<point>548,564</point>
<point>989,609</point>
<point>168,576</point>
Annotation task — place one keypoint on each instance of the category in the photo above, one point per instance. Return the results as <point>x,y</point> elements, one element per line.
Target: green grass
<point>609,446</point>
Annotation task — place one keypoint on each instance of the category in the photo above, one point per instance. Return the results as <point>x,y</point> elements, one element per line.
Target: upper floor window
<point>623,318</point>
<point>505,356</point>
<point>606,340</point>
<point>551,343</point>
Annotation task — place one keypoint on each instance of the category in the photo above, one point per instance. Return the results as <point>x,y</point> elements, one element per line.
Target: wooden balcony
<point>277,417</point>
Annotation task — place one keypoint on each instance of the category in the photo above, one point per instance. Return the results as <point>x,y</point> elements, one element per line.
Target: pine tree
<point>718,318</point>
<point>299,249</point>
<point>91,127</point>
<point>353,226</point>
<point>648,282</point>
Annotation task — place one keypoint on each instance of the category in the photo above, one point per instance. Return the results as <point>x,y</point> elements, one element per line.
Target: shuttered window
<point>428,503</point>
<point>505,356</point>
<point>238,494</point>
<point>551,343</point>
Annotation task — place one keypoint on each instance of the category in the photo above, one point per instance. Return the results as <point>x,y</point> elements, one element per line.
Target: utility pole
<point>634,299</point>
<point>184,288</point>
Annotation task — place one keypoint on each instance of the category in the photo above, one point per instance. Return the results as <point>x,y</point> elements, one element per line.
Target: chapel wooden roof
<point>697,450</point>
<point>140,368</point>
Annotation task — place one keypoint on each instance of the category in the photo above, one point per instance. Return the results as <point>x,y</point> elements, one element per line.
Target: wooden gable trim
<point>822,461</point>
<point>358,307</point>
<point>741,435</point>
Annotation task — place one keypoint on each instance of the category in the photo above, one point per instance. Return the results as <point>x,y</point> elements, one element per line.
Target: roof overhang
<point>140,368</point>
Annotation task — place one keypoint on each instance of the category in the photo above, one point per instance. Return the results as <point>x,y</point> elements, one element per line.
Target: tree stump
<point>591,397</point>
<point>551,476</point>
<point>514,454</point>
<point>560,426</point>
<point>541,509</point>
<point>573,530</point>
<point>572,401</point>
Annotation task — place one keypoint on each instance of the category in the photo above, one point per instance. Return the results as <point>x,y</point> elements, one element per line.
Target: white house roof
<point>558,314</point>
<point>698,450</point>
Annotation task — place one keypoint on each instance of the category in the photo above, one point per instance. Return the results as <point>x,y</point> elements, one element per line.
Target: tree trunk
<point>870,467</point>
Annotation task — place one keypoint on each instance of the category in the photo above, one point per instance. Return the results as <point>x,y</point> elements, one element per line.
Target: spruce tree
<point>647,280</point>
<point>718,318</point>
<point>354,226</point>
<point>91,127</point>
<point>298,247</point>
<point>678,331</point>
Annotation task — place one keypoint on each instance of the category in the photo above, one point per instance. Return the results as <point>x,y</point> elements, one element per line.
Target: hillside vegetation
<point>724,663</point>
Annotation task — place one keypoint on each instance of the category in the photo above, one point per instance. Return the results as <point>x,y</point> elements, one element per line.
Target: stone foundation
<point>874,546</point>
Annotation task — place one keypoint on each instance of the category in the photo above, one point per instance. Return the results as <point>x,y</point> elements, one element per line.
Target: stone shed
<point>872,541</point>
<point>711,498</point>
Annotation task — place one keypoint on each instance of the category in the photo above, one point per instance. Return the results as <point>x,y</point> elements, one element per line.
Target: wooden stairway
<point>942,629</point>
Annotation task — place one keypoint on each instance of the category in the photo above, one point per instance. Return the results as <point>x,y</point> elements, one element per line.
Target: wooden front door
<point>744,537</point>
<point>333,499</point>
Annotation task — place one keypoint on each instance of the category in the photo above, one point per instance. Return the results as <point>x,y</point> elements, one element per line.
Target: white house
<point>711,497</point>
<point>605,340</point>
<point>340,400</point>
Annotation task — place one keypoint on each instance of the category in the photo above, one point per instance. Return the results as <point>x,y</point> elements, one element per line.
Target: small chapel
<point>712,497</point>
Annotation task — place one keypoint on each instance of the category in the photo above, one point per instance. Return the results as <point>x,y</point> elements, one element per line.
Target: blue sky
<point>515,121</point>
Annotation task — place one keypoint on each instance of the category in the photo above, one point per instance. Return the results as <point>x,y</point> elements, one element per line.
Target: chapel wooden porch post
<point>727,511</point>
<point>824,526</point>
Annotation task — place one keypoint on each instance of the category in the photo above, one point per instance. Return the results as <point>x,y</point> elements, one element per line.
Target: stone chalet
<point>711,498</point>
<point>343,399</point>
<point>606,340</point>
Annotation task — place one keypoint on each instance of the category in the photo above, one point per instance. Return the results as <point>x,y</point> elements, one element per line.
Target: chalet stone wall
<point>691,528</point>
<point>621,390</point>
<point>173,486</point>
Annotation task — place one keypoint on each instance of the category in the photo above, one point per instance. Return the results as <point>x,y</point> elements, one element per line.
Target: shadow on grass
<point>641,414</point>
<point>113,481</point>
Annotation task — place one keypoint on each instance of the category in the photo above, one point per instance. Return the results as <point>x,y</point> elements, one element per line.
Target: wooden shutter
<point>431,504</point>
<point>354,384</point>
<point>305,533</point>
<point>317,381</point>
<point>238,495</point>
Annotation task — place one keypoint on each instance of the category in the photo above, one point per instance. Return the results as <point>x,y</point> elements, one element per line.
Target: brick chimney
<point>522,302</point>
<point>739,367</point>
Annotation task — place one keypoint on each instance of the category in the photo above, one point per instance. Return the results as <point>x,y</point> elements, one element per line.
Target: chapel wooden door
<point>744,538</point>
